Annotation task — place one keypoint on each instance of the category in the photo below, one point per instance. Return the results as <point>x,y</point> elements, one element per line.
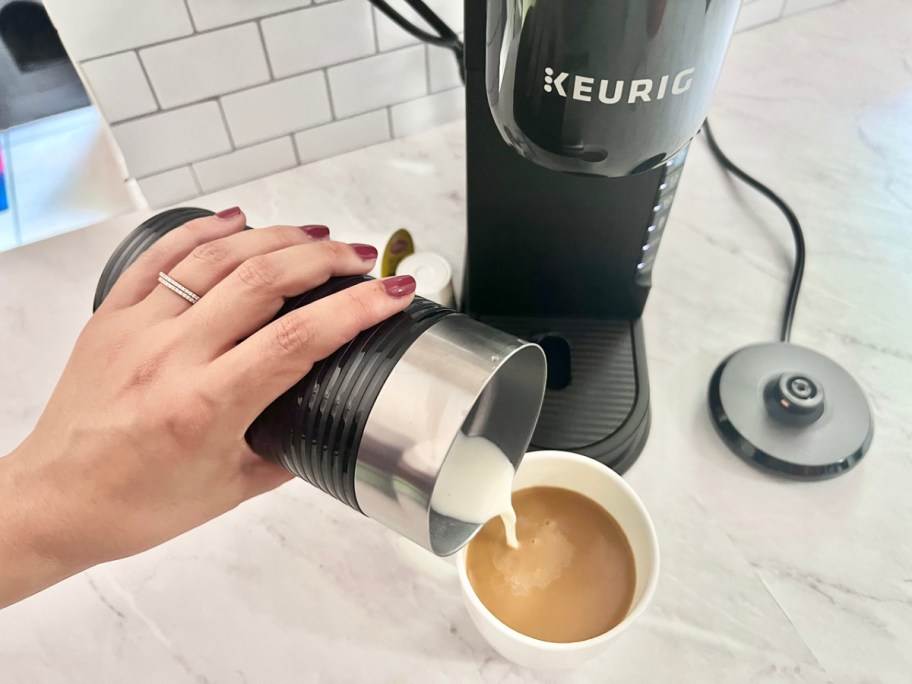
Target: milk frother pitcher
<point>373,423</point>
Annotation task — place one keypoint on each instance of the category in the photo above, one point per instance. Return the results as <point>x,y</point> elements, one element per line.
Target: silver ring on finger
<point>177,288</point>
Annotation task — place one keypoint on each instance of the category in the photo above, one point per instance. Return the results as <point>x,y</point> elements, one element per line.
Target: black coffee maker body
<point>579,114</point>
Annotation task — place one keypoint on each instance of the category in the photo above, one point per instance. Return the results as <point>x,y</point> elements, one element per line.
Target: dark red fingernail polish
<point>316,232</point>
<point>366,252</point>
<point>399,286</point>
<point>229,213</point>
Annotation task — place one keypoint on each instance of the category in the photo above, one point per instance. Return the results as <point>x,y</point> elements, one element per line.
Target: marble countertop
<point>762,580</point>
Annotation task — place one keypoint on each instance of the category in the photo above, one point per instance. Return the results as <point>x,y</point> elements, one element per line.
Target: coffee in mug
<point>572,577</point>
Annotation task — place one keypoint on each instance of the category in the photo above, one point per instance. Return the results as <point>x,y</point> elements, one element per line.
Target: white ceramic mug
<point>609,490</point>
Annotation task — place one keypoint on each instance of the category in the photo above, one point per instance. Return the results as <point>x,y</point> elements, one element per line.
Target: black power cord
<point>797,234</point>
<point>444,36</point>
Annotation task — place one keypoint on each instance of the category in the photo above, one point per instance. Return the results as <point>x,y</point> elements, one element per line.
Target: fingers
<point>136,282</point>
<point>251,375</point>
<point>210,262</point>
<point>254,292</point>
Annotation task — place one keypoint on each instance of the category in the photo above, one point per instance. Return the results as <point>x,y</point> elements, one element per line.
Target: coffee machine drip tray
<point>597,402</point>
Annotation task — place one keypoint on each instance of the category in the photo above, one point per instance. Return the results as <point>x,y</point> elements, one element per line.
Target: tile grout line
<point>427,69</point>
<point>329,94</point>
<point>196,183</point>
<point>194,178</point>
<point>294,149</point>
<point>269,67</point>
<point>374,25</point>
<point>389,122</point>
<point>190,16</point>
<point>221,109</point>
<point>145,73</point>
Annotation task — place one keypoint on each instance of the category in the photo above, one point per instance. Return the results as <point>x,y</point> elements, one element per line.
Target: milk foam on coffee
<point>572,578</point>
<point>475,484</point>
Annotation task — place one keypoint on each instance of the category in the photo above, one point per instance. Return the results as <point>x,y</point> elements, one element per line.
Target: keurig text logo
<point>585,89</point>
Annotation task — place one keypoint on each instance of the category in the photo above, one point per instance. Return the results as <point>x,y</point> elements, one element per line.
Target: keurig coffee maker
<point>578,118</point>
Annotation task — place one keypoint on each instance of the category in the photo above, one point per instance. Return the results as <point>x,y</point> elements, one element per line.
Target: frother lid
<point>790,410</point>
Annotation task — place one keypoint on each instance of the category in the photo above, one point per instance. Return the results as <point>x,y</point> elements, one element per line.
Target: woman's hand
<point>143,438</point>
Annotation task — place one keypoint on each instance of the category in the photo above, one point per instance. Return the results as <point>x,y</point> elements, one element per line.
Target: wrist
<point>38,547</point>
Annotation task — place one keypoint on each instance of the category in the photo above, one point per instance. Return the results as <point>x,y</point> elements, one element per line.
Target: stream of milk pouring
<point>475,484</point>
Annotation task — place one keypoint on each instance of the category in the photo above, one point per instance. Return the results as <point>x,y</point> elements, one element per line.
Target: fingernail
<point>316,232</point>
<point>399,286</point>
<point>229,213</point>
<point>366,252</point>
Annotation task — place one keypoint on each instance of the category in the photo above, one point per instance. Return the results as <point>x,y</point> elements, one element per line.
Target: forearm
<point>30,557</point>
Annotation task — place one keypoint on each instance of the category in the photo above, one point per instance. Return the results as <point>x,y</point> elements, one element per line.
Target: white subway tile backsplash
<point>378,81</point>
<point>390,36</point>
<point>443,69</point>
<point>246,164</point>
<point>162,141</point>
<point>169,187</point>
<point>205,65</point>
<point>435,110</point>
<point>319,36</point>
<point>343,136</point>
<point>277,108</point>
<point>208,14</point>
<point>120,87</point>
<point>92,28</point>
<point>756,12</point>
<point>793,6</point>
